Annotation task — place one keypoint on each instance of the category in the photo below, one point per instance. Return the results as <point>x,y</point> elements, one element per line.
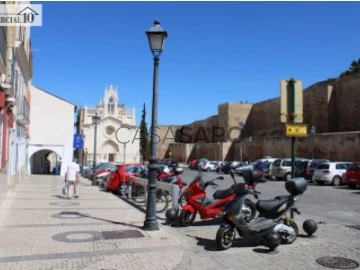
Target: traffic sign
<point>296,130</point>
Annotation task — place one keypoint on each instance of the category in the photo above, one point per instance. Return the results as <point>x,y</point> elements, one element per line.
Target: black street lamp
<point>242,124</point>
<point>156,36</point>
<point>96,121</point>
<point>81,159</point>
<point>312,131</point>
<point>250,141</point>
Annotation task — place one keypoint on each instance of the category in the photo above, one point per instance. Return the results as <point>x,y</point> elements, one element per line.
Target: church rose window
<point>109,130</point>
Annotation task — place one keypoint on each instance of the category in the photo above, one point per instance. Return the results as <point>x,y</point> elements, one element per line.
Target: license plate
<point>352,180</point>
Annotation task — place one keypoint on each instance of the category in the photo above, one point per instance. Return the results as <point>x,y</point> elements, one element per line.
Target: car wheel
<point>287,177</point>
<point>208,169</point>
<point>121,189</point>
<point>336,181</point>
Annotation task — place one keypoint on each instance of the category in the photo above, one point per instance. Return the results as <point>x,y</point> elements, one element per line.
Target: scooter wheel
<point>289,239</point>
<point>225,237</point>
<point>186,218</point>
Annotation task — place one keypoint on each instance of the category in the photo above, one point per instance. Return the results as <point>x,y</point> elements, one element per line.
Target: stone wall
<point>339,146</point>
<point>331,106</point>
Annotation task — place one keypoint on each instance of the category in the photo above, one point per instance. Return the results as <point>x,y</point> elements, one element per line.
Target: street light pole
<point>156,36</point>
<point>250,144</point>
<point>312,131</point>
<point>124,153</point>
<point>96,121</point>
<point>242,124</point>
<point>81,152</point>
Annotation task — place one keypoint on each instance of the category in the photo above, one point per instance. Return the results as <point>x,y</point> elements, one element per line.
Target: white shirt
<point>72,169</point>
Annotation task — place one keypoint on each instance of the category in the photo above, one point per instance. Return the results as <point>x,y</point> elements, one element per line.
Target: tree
<point>354,68</point>
<point>144,136</point>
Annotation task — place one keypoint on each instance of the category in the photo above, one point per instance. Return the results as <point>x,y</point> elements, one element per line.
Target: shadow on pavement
<point>210,244</point>
<point>207,222</point>
<point>60,196</point>
<point>102,219</point>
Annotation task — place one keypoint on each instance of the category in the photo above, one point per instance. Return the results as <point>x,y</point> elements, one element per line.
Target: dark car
<point>306,168</point>
<point>231,166</point>
<point>169,162</point>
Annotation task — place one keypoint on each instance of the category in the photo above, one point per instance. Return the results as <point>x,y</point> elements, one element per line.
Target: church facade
<point>117,135</point>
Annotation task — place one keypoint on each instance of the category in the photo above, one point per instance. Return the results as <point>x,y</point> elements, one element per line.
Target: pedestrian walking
<point>72,178</point>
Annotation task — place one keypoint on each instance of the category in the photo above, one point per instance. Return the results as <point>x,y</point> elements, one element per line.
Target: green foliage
<point>144,136</point>
<point>354,68</point>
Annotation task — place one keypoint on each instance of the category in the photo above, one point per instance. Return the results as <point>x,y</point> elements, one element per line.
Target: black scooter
<point>272,224</point>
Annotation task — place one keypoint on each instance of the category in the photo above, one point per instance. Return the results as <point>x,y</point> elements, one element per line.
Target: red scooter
<point>196,201</point>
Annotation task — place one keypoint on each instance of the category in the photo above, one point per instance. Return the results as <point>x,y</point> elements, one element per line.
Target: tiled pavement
<point>39,229</point>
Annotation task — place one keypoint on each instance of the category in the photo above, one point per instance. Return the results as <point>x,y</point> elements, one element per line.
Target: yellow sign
<point>296,130</point>
<point>290,112</point>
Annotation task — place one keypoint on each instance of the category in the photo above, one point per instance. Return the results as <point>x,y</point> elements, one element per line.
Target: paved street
<point>39,229</point>
<point>336,207</point>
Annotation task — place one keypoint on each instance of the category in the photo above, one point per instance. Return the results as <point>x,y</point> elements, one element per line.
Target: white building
<point>51,131</point>
<point>117,133</point>
<point>15,80</point>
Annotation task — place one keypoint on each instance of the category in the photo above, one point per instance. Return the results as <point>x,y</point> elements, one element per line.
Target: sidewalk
<point>40,229</point>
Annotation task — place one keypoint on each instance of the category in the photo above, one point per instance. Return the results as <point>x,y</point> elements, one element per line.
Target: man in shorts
<point>72,178</point>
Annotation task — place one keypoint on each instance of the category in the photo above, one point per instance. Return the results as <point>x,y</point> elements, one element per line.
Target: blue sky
<point>216,52</point>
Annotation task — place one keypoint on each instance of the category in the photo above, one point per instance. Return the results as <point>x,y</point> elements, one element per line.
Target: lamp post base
<point>93,183</point>
<point>151,225</point>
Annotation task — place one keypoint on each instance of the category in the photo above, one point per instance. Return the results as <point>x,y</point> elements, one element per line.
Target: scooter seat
<point>268,205</point>
<point>220,194</point>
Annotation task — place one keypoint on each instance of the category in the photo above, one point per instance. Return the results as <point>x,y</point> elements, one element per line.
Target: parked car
<point>200,163</point>
<point>169,162</point>
<point>117,181</point>
<point>330,172</point>
<point>103,173</point>
<point>88,173</point>
<point>281,168</point>
<point>209,166</point>
<point>306,168</point>
<point>192,163</point>
<point>218,166</point>
<point>353,175</point>
<point>103,177</point>
<point>266,161</point>
<point>231,166</point>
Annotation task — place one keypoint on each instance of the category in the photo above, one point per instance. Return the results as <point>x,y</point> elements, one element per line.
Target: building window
<point>110,130</point>
<point>111,105</point>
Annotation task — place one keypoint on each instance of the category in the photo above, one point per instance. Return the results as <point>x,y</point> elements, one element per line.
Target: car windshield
<point>101,166</point>
<point>323,166</point>
<point>354,167</point>
<point>114,168</point>
<point>287,163</point>
<point>301,164</point>
<point>313,165</point>
<point>277,162</point>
